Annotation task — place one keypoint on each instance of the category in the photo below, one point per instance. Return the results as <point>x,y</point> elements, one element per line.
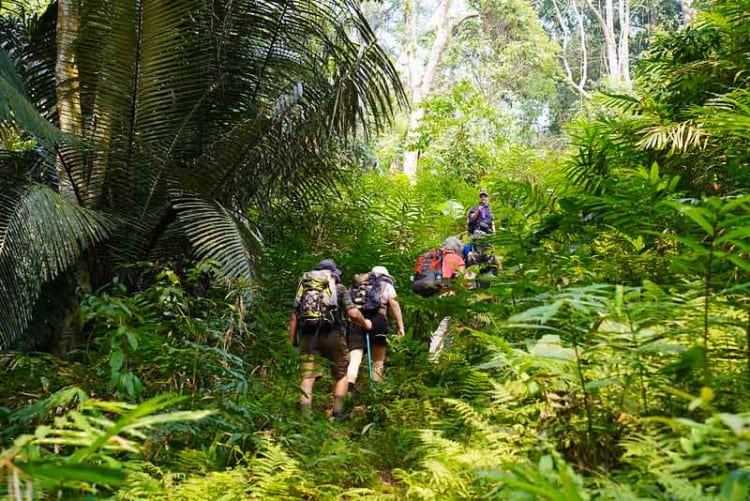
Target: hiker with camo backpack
<point>317,326</point>
<point>374,294</point>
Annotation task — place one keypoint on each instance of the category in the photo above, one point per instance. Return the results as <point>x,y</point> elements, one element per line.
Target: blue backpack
<point>366,293</point>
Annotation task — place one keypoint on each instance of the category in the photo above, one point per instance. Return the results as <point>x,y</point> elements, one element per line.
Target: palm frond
<point>238,104</point>
<point>42,234</point>
<point>15,107</point>
<point>680,136</point>
<point>216,233</point>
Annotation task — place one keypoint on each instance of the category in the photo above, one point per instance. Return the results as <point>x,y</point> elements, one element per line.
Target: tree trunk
<point>617,54</point>
<point>579,85</point>
<point>422,76</point>
<point>610,41</point>
<point>71,122</point>
<point>623,49</point>
<point>687,12</point>
<point>68,95</point>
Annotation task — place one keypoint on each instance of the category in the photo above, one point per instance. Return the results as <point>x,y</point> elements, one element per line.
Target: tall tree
<point>601,38</point>
<point>422,70</point>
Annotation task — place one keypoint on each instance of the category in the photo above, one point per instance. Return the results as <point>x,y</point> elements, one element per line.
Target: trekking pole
<point>369,358</point>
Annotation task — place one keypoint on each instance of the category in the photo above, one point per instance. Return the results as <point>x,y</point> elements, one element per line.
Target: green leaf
<point>593,385</point>
<point>132,339</point>
<point>60,472</point>
<point>116,360</point>
<point>541,314</point>
<point>549,347</point>
<point>42,234</point>
<point>736,487</point>
<point>654,174</point>
<point>700,217</point>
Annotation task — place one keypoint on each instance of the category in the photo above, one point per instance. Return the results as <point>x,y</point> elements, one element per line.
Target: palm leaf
<point>217,234</point>
<point>238,104</point>
<point>42,234</point>
<point>15,107</point>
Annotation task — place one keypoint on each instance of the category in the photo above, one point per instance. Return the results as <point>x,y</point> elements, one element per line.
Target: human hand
<point>368,324</point>
<point>401,331</point>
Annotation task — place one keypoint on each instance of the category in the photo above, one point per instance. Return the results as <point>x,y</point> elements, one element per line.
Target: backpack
<point>480,254</point>
<point>316,300</point>
<point>366,293</point>
<point>428,273</point>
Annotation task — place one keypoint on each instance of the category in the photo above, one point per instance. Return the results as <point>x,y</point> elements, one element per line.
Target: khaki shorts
<point>330,345</point>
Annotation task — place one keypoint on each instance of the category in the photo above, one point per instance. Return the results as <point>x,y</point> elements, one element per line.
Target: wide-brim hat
<point>380,270</point>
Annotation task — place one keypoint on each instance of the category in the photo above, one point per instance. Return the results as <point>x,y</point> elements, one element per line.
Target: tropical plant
<point>686,112</point>
<point>85,449</point>
<point>172,118</point>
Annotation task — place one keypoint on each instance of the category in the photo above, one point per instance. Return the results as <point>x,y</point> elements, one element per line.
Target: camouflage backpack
<point>316,300</point>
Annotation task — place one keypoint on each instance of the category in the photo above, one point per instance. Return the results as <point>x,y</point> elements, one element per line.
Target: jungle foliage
<point>609,358</point>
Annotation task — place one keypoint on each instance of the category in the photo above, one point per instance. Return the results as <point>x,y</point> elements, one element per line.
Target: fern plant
<point>86,449</point>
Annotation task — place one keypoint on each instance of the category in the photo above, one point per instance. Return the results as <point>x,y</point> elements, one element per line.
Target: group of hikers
<point>341,325</point>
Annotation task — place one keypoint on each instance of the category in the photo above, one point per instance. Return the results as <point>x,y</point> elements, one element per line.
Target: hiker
<point>374,294</point>
<point>452,266</point>
<point>480,216</point>
<point>318,321</point>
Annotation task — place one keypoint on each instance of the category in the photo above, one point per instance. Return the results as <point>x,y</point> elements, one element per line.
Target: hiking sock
<point>338,404</point>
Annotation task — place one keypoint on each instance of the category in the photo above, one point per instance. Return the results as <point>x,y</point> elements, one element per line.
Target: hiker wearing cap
<point>374,294</point>
<point>317,325</point>
<point>480,216</point>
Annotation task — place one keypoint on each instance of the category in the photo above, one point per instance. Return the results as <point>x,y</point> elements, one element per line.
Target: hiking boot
<point>306,411</point>
<point>339,416</point>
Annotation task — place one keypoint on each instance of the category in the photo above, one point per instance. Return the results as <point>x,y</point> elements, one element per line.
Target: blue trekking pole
<point>369,358</point>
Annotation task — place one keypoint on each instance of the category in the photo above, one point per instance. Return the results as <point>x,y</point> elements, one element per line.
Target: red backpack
<point>428,273</point>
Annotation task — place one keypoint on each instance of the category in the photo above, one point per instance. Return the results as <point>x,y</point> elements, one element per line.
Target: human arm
<point>292,327</point>
<point>351,310</point>
<point>474,214</point>
<point>356,316</point>
<point>396,309</point>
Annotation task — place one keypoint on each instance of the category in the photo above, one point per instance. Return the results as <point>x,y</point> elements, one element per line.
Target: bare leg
<point>309,373</point>
<point>378,362</point>
<point>355,359</point>
<point>307,389</point>
<point>339,391</point>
